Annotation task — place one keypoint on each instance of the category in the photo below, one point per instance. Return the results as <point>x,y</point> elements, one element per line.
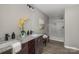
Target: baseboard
<point>71,48</point>
<point>55,39</point>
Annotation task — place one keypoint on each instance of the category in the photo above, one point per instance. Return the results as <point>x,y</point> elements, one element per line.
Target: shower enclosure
<point>56,29</point>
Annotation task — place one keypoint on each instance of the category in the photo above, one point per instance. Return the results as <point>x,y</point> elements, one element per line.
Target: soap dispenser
<point>7,37</point>
<point>13,35</point>
<point>28,32</point>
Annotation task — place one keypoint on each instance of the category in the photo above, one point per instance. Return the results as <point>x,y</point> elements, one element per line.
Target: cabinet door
<point>31,47</point>
<point>24,49</point>
<point>38,45</point>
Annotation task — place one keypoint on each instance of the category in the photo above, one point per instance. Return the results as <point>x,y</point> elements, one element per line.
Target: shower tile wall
<point>56,29</point>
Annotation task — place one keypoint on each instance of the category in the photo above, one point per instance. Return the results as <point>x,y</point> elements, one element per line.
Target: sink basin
<point>35,35</point>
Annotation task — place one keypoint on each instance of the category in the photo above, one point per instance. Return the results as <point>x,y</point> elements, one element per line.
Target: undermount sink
<point>35,35</point>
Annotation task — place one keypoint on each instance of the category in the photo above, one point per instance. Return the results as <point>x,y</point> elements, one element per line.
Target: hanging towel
<point>45,36</point>
<point>16,47</point>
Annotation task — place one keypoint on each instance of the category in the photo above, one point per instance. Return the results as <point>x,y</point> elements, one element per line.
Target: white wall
<point>72,27</point>
<point>10,15</point>
<point>56,32</point>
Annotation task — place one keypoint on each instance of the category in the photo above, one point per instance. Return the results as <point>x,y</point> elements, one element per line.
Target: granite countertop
<point>4,46</point>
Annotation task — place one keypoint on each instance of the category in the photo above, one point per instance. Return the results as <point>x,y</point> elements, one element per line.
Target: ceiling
<point>52,10</point>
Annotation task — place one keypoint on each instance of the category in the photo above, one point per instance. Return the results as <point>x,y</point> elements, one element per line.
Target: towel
<point>45,36</point>
<point>16,47</point>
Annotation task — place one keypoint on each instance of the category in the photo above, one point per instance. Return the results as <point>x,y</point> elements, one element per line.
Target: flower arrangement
<point>21,24</point>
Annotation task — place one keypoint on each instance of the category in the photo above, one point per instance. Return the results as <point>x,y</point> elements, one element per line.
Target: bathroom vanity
<point>32,44</point>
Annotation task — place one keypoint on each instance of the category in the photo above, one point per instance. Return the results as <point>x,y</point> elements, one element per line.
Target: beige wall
<point>10,14</point>
<point>72,27</point>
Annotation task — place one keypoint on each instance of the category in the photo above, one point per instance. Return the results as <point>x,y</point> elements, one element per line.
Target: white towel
<point>45,36</point>
<point>16,47</point>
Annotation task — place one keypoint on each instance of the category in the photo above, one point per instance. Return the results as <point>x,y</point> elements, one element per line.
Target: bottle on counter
<point>13,35</point>
<point>31,32</point>
<point>7,37</point>
<point>28,32</point>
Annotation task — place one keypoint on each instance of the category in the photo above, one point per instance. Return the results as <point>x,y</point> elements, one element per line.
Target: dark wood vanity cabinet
<point>34,46</point>
<point>28,47</point>
<point>24,48</point>
<point>38,45</point>
<point>31,47</point>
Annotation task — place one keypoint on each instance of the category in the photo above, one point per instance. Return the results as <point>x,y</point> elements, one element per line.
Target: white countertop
<point>4,46</point>
<point>30,37</point>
